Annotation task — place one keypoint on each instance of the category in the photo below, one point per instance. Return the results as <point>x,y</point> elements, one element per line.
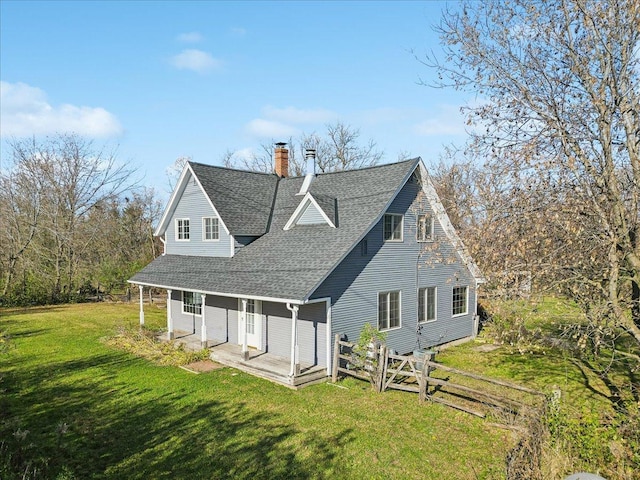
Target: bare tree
<point>560,124</point>
<point>339,149</point>
<point>73,176</point>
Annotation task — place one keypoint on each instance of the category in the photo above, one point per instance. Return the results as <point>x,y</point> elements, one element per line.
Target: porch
<point>259,363</point>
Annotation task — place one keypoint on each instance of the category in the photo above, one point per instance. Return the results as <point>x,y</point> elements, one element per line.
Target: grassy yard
<point>73,407</point>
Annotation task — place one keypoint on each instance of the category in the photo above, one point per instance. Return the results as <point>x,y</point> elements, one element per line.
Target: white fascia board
<point>220,294</point>
<point>177,192</point>
<point>302,206</point>
<point>210,202</point>
<point>449,230</point>
<point>187,174</point>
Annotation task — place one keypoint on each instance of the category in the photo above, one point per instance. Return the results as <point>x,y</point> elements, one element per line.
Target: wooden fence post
<point>382,368</point>
<point>424,382</point>
<point>336,359</point>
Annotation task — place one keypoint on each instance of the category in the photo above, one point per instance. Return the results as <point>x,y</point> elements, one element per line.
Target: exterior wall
<point>222,326</point>
<point>194,205</point>
<point>405,266</point>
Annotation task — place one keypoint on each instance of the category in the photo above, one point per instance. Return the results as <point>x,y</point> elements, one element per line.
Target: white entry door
<point>253,323</point>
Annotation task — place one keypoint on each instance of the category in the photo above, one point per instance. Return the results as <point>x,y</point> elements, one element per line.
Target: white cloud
<point>190,37</point>
<point>296,115</point>
<point>196,60</point>
<point>260,127</point>
<point>449,121</point>
<point>25,111</point>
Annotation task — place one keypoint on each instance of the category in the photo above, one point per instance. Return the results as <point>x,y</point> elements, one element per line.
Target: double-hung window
<point>459,305</point>
<point>425,228</point>
<point>210,228</point>
<point>192,303</point>
<point>392,227</point>
<point>182,229</point>
<point>388,310</point>
<point>427,304</point>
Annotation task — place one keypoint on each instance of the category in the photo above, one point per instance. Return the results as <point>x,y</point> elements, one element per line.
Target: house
<point>266,269</point>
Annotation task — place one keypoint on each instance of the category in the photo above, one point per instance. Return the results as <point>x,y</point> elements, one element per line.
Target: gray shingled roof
<point>243,199</point>
<point>281,264</point>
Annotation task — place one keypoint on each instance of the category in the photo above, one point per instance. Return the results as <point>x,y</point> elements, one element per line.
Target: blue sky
<point>161,80</point>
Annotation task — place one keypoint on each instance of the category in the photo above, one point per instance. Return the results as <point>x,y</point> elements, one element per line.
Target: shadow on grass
<point>81,416</point>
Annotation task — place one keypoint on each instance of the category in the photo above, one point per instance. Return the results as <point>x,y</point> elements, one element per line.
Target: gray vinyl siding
<point>222,326</point>
<point>312,331</point>
<point>311,216</point>
<point>184,322</point>
<point>401,266</point>
<point>194,205</point>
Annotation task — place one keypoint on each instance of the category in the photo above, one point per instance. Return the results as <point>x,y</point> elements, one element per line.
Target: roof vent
<point>310,154</point>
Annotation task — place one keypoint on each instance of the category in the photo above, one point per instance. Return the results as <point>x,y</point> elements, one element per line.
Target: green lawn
<point>73,407</point>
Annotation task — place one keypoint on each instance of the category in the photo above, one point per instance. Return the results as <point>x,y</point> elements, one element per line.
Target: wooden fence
<point>423,376</point>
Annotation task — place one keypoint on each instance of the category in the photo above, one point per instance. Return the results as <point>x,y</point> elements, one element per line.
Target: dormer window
<point>392,227</point>
<point>182,229</point>
<point>210,229</point>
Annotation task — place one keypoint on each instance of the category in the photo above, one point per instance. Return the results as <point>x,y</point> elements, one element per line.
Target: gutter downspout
<point>295,365</point>
<point>164,245</point>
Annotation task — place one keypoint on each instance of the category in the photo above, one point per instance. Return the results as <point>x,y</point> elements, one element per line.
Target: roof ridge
<point>240,170</point>
<point>371,167</point>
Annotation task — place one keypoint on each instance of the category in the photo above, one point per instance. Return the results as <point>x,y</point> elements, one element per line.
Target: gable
<point>314,211</point>
<point>187,182</point>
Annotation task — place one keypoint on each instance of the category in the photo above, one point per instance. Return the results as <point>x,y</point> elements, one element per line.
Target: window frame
<point>422,298</point>
<point>465,298</point>
<point>178,228</point>
<point>427,236</point>
<point>192,307</point>
<point>388,310</point>
<point>204,229</point>
<point>394,227</point>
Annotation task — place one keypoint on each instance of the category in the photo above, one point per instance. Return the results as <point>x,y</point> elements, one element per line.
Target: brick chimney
<point>281,159</point>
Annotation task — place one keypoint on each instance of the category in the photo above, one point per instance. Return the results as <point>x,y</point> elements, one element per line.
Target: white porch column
<point>169,318</point>
<point>295,364</point>
<point>203,333</point>
<point>243,323</point>
<point>141,288</point>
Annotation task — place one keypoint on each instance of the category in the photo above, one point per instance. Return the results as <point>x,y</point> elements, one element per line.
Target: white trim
<point>177,194</point>
<point>466,312</point>
<point>295,351</point>
<point>431,236</point>
<point>329,339</point>
<point>141,288</point>
<point>204,229</point>
<point>194,304</point>
<point>435,307</point>
<point>301,208</point>
<point>394,240</point>
<point>222,294</point>
<point>175,223</point>
<point>389,320</point>
<point>203,327</point>
<point>169,314</point>
<point>447,226</point>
